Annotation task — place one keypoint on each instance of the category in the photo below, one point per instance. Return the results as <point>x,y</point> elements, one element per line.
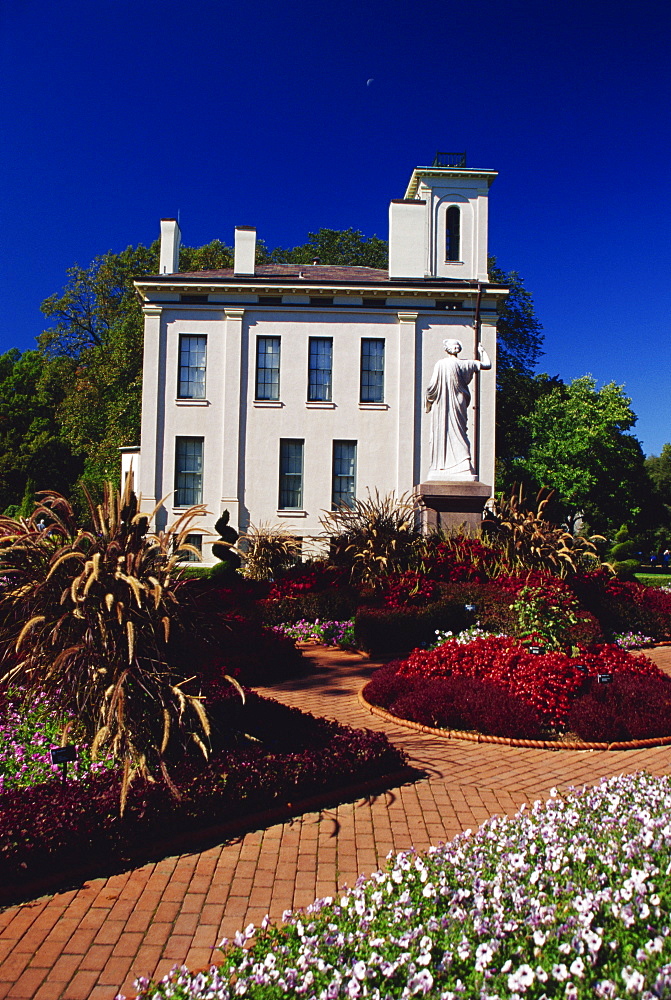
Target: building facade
<point>280,391</point>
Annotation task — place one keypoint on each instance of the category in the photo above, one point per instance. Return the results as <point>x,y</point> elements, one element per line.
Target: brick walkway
<point>92,941</point>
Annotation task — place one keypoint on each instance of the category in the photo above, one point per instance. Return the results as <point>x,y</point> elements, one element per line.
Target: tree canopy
<point>336,247</point>
<point>33,453</point>
<point>519,331</point>
<point>658,468</point>
<point>580,447</point>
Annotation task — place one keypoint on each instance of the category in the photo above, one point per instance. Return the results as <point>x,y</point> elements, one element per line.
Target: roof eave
<point>419,172</point>
<point>261,284</point>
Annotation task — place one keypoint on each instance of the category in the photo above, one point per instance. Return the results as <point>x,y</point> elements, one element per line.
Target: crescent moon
<point>368,82</point>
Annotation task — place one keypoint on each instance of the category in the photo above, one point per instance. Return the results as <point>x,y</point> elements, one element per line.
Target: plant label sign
<point>605,678</point>
<point>63,755</point>
<point>537,650</point>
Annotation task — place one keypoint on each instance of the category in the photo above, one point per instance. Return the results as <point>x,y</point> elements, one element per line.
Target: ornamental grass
<point>373,537</point>
<point>88,618</point>
<point>568,899</point>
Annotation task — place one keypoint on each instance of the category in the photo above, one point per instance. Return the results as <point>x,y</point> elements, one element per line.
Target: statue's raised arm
<point>485,361</point>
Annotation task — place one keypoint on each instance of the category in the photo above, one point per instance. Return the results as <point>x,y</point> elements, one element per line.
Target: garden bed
<point>567,742</point>
<point>273,762</point>
<point>494,689</point>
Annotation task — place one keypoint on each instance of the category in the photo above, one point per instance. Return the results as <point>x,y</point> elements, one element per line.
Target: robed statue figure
<point>447,399</point>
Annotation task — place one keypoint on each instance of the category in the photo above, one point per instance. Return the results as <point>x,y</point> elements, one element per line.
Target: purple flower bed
<point>47,828</point>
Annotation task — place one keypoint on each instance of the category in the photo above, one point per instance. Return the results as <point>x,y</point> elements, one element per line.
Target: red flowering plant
<point>548,682</point>
<point>654,599</point>
<point>623,606</point>
<point>458,558</point>
<point>409,589</point>
<point>306,578</point>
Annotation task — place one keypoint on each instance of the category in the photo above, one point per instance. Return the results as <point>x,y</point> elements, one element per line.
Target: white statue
<point>447,399</point>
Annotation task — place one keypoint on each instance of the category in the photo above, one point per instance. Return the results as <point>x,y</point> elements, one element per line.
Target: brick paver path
<point>93,941</point>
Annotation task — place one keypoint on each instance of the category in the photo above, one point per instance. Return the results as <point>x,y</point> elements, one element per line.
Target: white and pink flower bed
<point>568,899</point>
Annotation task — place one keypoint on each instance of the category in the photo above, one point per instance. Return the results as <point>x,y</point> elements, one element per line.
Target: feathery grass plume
<point>87,619</point>
<point>529,541</point>
<point>374,537</point>
<point>267,549</point>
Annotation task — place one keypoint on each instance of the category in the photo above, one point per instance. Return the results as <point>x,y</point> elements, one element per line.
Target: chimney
<point>171,238</point>
<point>407,238</point>
<point>245,250</point>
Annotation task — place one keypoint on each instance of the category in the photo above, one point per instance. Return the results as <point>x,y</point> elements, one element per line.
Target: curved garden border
<point>509,741</point>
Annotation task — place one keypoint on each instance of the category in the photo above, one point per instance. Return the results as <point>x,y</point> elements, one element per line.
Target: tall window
<point>188,471</point>
<point>267,368</point>
<point>372,371</point>
<point>344,474</point>
<point>291,474</point>
<point>192,359</point>
<point>320,366</point>
<point>452,233</point>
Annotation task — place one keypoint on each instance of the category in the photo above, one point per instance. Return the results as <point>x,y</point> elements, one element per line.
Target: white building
<point>277,391</point>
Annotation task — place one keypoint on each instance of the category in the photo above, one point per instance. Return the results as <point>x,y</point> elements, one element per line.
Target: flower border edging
<point>15,893</point>
<point>509,741</point>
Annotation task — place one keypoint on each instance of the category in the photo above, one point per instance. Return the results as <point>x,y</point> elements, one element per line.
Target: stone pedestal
<point>448,506</point>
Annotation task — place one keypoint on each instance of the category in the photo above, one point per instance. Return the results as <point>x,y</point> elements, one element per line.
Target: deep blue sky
<point>114,113</point>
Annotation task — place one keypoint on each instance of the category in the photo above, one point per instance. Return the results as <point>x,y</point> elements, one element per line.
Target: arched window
<point>452,235</point>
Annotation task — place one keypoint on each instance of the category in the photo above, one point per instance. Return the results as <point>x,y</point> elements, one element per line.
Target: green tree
<point>33,452</point>
<point>96,349</point>
<point>336,247</point>
<point>95,300</point>
<point>580,448</point>
<point>519,347</point>
<point>658,468</point>
<point>519,331</point>
<point>214,256</point>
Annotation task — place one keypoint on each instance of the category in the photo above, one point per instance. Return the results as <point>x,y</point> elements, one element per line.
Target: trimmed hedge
<point>335,604</point>
<point>388,632</point>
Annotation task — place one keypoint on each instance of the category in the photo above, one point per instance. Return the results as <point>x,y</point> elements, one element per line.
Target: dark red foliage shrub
<point>332,604</point>
<point>430,704</point>
<point>624,606</point>
<point>468,704</point>
<point>387,631</point>
<point>631,707</point>
<point>492,605</point>
<point>386,685</point>
<point>595,722</point>
<point>215,597</point>
<point>250,653</point>
<point>306,578</point>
